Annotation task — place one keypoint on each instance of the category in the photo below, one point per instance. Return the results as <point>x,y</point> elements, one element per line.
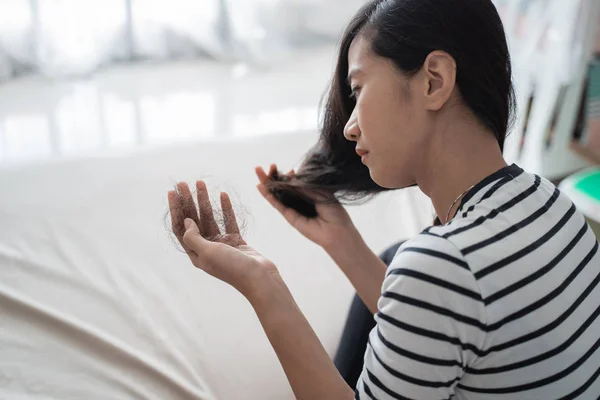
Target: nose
<point>352,130</point>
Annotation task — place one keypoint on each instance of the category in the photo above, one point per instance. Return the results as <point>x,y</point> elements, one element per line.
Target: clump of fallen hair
<point>241,213</point>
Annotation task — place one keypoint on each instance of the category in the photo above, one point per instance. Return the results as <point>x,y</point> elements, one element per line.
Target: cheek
<point>389,131</point>
<point>375,120</point>
<point>386,123</point>
<point>394,147</point>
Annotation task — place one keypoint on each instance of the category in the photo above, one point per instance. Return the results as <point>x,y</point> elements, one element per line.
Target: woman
<point>499,299</point>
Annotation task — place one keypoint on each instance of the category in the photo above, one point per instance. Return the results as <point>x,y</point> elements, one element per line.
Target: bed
<point>97,301</point>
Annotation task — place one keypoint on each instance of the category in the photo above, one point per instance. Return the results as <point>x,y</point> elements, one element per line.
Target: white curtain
<point>176,28</point>
<point>74,36</point>
<point>265,30</point>
<point>16,37</point>
<point>65,38</point>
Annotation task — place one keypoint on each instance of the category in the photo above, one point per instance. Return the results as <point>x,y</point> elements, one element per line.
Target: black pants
<point>350,354</point>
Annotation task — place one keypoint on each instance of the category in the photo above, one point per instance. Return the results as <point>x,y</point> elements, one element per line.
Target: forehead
<point>359,54</point>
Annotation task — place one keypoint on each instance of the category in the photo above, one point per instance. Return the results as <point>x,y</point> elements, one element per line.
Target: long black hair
<point>406,32</point>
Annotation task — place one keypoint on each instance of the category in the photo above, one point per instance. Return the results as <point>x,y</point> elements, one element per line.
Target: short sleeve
<point>430,324</point>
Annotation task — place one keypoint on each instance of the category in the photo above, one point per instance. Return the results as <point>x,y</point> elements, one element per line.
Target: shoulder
<point>430,304</point>
<point>427,250</point>
<point>432,263</point>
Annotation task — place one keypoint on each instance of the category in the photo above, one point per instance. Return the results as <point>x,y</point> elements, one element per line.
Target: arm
<point>334,231</point>
<point>307,365</point>
<point>364,269</point>
<point>431,317</point>
<point>228,258</point>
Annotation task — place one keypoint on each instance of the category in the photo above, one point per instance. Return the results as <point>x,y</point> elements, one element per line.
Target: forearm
<point>307,365</point>
<point>364,269</point>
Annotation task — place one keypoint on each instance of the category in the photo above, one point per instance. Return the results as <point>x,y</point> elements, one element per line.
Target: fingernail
<point>187,223</point>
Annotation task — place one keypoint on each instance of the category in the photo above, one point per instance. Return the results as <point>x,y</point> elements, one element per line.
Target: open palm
<point>226,256</point>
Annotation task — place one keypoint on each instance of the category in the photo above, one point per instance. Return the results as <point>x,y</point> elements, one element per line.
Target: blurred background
<point>90,76</point>
<point>105,104</point>
<point>84,76</point>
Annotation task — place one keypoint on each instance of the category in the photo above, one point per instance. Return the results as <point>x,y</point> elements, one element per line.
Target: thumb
<point>192,237</point>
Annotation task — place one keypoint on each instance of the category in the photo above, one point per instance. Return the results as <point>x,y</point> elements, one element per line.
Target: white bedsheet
<point>97,303</point>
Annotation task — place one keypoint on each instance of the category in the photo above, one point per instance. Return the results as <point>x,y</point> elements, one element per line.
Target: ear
<point>439,71</point>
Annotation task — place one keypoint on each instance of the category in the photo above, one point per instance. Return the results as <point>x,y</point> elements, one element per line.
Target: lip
<point>361,152</point>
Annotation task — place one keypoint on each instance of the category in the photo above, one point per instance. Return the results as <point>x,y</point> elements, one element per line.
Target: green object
<point>583,188</point>
<point>590,185</point>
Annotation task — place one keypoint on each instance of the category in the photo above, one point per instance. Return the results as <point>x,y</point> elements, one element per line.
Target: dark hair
<point>406,32</point>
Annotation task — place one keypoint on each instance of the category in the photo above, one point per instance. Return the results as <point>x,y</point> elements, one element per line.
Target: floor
<point>126,108</point>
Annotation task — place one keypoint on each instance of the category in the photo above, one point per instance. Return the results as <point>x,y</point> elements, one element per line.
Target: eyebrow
<point>352,74</point>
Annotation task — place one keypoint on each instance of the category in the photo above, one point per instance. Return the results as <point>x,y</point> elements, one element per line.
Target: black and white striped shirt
<point>501,303</point>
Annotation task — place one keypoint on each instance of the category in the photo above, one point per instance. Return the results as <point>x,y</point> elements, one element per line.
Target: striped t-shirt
<point>500,303</point>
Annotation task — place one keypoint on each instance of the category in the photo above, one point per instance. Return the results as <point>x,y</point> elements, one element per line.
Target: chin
<point>382,181</point>
<point>391,181</point>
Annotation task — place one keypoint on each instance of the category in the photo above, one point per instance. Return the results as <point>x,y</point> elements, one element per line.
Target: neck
<point>462,156</point>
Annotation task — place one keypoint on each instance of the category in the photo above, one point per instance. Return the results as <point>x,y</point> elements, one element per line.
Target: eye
<point>355,91</point>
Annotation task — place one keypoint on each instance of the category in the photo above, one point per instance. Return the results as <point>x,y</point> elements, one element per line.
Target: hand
<point>225,256</point>
<point>326,229</point>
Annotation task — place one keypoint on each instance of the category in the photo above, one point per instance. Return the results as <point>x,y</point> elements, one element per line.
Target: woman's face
<point>389,121</point>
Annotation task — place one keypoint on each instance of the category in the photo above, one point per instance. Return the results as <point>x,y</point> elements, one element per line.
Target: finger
<point>208,225</point>
<point>272,170</point>
<point>177,217</point>
<point>187,202</point>
<point>262,175</point>
<point>231,225</point>
<point>193,239</point>
<point>291,215</point>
